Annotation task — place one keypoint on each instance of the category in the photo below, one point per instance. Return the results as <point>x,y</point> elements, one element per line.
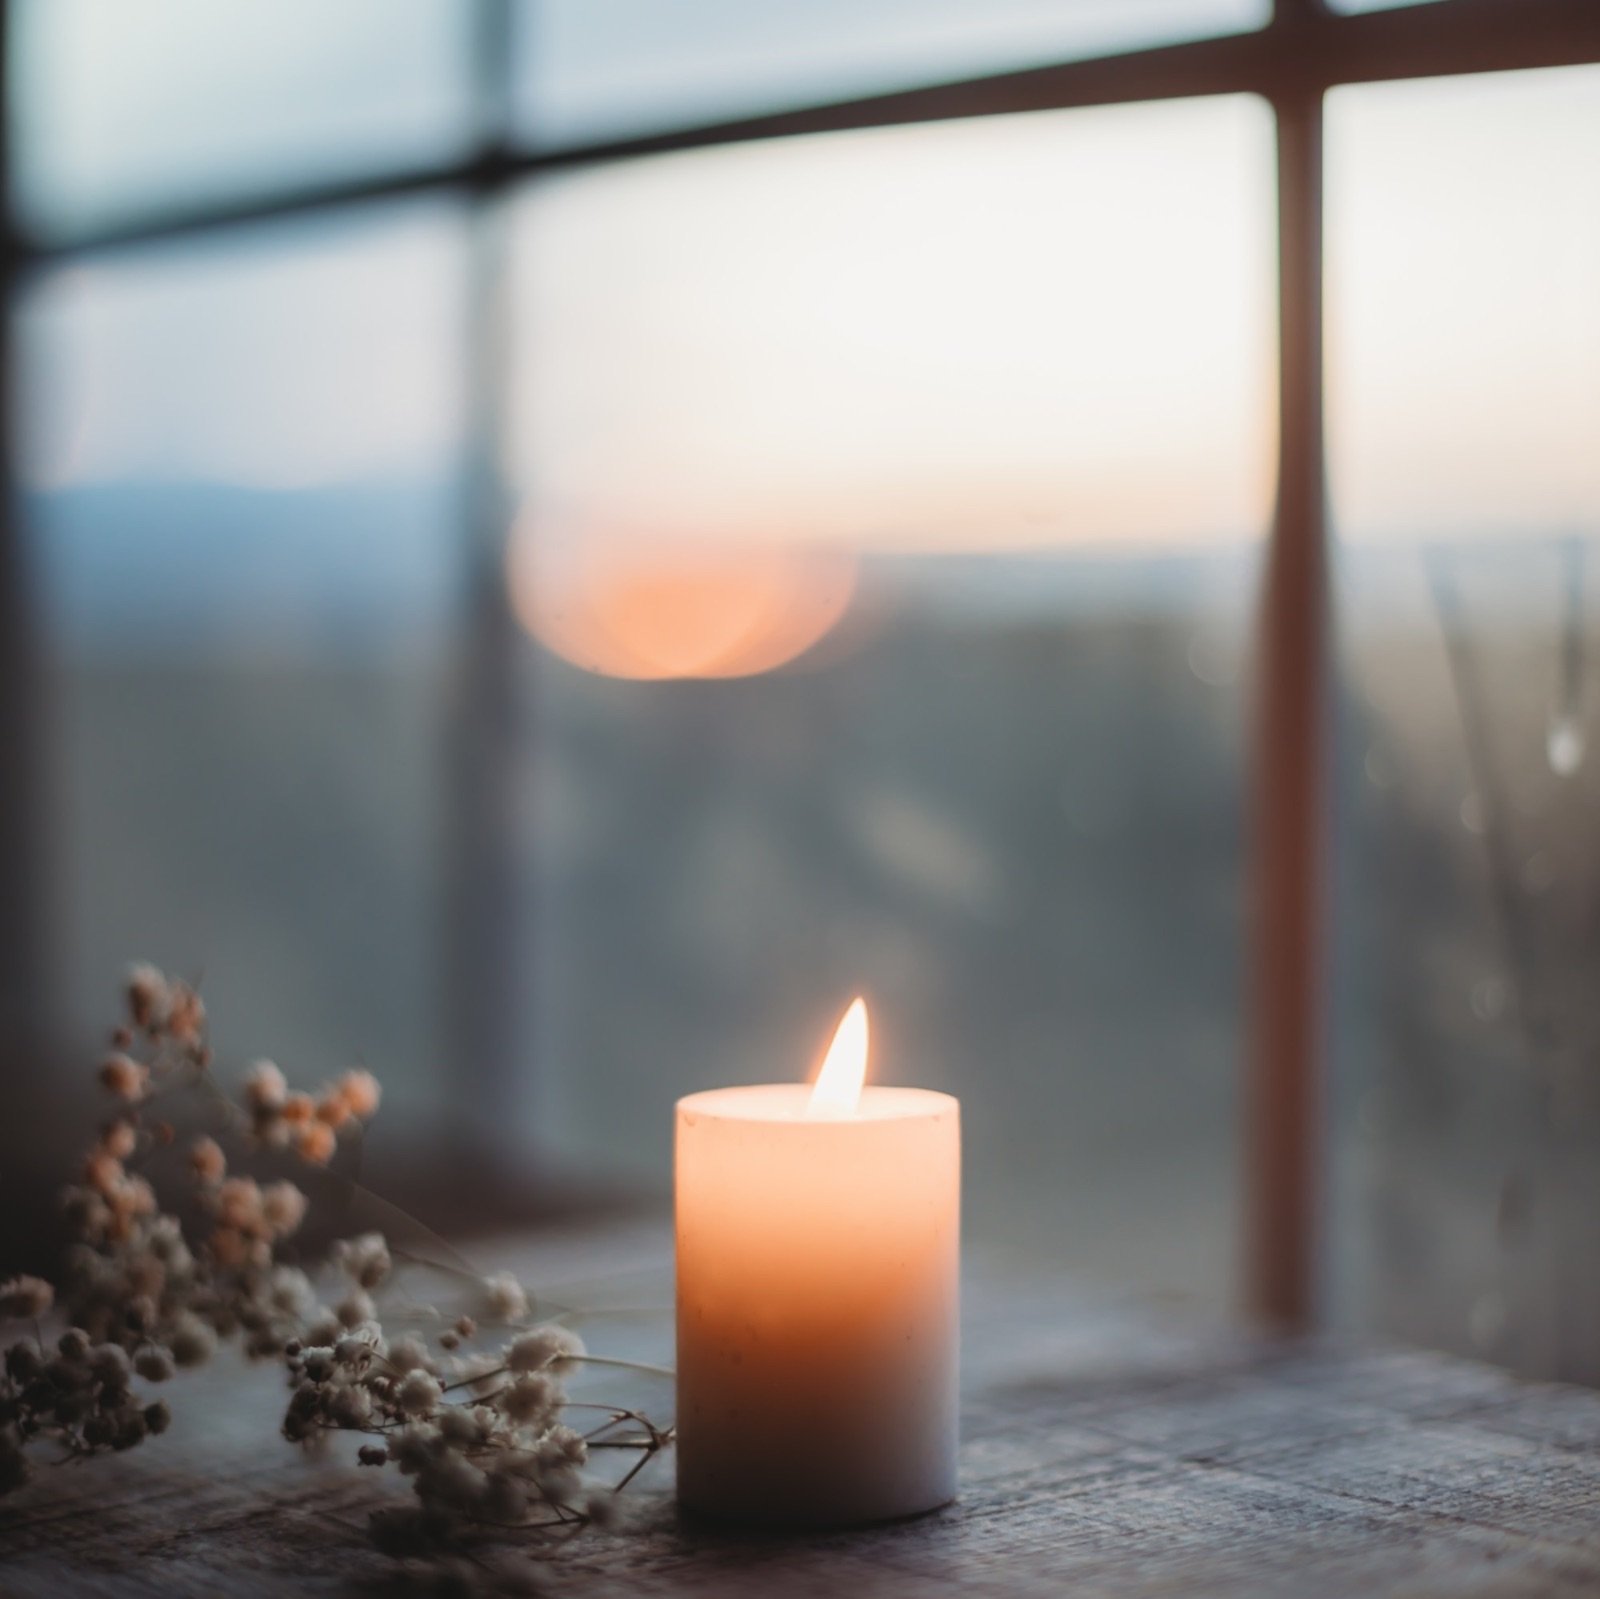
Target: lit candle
<point>818,1251</point>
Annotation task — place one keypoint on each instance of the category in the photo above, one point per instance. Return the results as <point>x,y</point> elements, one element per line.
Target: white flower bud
<point>26,1297</point>
<point>419,1393</point>
<point>464,1425</point>
<point>146,990</point>
<point>154,1364</point>
<point>355,1308</point>
<point>364,1258</point>
<point>74,1344</point>
<point>109,1363</point>
<point>508,1301</point>
<point>192,1341</point>
<point>283,1208</point>
<point>547,1346</point>
<point>317,1363</point>
<point>530,1400</point>
<point>323,1327</point>
<point>563,1446</point>
<point>413,1447</point>
<point>123,1076</point>
<point>351,1406</point>
<point>265,1087</point>
<point>408,1354</point>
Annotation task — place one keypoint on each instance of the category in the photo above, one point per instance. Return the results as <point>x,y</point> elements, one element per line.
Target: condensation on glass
<point>1463,232</point>
<point>889,511</point>
<point>598,69</point>
<point>240,474</point>
<point>121,110</point>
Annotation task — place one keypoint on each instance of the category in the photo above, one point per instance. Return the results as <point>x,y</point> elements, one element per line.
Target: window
<point>242,461</point>
<point>559,546</point>
<point>1464,371</point>
<point>122,109</point>
<point>862,402</point>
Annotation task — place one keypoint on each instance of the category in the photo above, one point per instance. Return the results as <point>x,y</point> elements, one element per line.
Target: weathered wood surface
<point>1106,1452</point>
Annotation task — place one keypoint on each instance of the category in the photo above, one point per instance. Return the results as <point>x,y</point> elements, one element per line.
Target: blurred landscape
<point>1004,800</point>
<point>961,804</point>
<point>1466,1185</point>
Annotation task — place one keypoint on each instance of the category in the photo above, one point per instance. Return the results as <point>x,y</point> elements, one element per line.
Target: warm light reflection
<point>844,1070</point>
<point>661,608</point>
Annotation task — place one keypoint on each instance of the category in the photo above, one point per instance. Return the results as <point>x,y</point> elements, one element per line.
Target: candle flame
<point>838,1086</point>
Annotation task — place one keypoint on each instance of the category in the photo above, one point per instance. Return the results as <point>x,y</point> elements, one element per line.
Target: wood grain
<point>1107,1451</point>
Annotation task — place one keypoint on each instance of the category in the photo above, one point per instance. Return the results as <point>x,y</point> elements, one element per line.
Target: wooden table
<point>1107,1451</point>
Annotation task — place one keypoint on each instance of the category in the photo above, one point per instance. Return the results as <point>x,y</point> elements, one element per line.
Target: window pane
<point>1464,368</point>
<point>889,537</point>
<point>241,465</point>
<point>126,108</point>
<point>594,69</point>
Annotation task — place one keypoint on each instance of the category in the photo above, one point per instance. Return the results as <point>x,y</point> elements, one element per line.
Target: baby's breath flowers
<point>309,1123</point>
<point>123,1076</point>
<point>484,1434</point>
<point>25,1297</point>
<point>79,1394</point>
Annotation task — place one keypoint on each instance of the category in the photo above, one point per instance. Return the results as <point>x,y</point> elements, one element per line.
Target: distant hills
<point>176,570</point>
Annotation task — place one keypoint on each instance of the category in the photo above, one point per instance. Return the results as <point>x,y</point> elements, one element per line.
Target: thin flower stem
<point>467,1382</point>
<point>577,1313</point>
<point>521,1526</point>
<point>634,1470</point>
<point>619,1415</point>
<point>624,1365</point>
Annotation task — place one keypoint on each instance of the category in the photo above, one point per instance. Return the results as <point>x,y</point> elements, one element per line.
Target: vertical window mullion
<point>479,750</point>
<point>22,931</point>
<point>1282,1097</point>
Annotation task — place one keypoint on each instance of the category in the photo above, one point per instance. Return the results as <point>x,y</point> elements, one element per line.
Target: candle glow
<point>818,1245</point>
<point>844,1068</point>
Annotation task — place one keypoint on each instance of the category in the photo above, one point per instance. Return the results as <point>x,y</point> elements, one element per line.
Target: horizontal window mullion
<point>1303,52</point>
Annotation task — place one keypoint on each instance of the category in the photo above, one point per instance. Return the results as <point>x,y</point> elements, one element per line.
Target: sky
<point>1011,333</point>
<point>1463,318</point>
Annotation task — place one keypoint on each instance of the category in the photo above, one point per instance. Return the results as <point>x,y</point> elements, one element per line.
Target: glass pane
<point>888,537</point>
<point>121,109</point>
<point>241,465</point>
<point>1464,369</point>
<point>595,69</point>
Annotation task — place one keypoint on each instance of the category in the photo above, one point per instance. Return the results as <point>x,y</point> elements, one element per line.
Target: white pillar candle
<point>818,1237</point>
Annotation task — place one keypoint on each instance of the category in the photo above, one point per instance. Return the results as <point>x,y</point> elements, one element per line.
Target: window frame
<point>1303,51</point>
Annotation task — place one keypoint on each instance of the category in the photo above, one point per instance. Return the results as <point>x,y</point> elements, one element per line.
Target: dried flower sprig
<point>484,1435</point>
